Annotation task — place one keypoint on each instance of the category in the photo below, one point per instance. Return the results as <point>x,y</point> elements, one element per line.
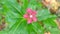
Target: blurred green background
<point>13,10</point>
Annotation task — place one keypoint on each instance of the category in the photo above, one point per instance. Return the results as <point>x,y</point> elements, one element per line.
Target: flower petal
<point>34,19</point>
<point>29,21</point>
<point>34,13</point>
<point>29,11</point>
<point>26,16</point>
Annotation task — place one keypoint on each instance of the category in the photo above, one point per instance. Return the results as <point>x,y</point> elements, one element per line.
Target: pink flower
<point>30,16</point>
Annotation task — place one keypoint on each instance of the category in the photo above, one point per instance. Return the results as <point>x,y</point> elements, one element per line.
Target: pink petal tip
<point>25,15</point>
<point>29,21</point>
<point>34,19</point>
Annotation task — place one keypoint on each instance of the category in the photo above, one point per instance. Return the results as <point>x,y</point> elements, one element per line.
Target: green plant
<point>16,24</point>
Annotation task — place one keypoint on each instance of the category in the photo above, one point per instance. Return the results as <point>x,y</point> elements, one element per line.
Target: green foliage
<point>16,24</point>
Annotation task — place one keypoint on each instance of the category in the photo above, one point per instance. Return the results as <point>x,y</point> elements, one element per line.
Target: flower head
<point>30,15</point>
